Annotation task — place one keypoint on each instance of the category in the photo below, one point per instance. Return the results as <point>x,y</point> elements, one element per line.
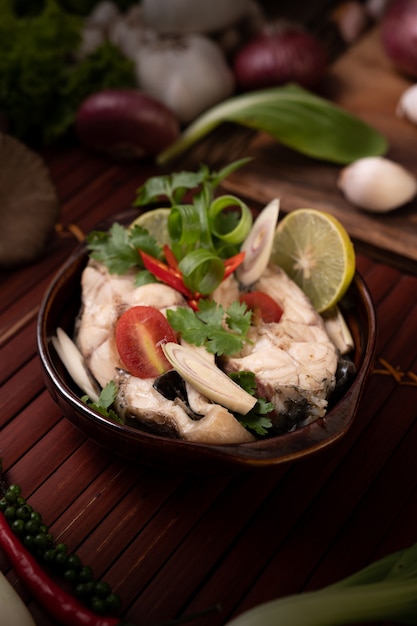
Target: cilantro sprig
<point>258,420</point>
<point>104,403</point>
<point>221,331</point>
<point>118,249</point>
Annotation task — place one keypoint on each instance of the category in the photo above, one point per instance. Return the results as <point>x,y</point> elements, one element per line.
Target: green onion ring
<point>184,224</point>
<point>202,271</point>
<point>242,229</point>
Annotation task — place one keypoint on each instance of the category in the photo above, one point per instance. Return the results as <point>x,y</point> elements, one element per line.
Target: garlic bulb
<point>377,184</point>
<point>188,74</point>
<point>407,105</point>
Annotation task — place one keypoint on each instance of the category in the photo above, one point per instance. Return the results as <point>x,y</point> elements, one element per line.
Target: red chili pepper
<point>165,273</point>
<point>230,265</point>
<point>59,604</point>
<point>170,257</point>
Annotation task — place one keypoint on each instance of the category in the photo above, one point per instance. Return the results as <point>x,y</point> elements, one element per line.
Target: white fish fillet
<point>294,361</point>
<point>105,297</point>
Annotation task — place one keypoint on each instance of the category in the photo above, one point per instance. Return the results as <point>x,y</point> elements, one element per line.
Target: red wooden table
<point>172,544</point>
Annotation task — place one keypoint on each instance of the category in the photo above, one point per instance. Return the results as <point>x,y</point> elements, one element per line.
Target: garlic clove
<point>377,184</point>
<point>407,104</point>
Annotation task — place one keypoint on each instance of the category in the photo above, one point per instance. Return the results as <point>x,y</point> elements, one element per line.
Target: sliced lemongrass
<point>338,330</point>
<point>75,364</point>
<point>258,244</point>
<point>208,379</point>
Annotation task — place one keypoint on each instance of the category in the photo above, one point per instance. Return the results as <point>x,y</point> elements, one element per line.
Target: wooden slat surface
<point>171,544</point>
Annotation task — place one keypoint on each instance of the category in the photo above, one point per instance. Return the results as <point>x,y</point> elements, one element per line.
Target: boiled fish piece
<point>105,297</point>
<point>294,360</point>
<point>138,399</point>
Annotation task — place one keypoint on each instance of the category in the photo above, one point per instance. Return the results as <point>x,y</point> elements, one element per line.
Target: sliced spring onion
<point>184,224</point>
<point>202,271</point>
<point>293,116</point>
<point>217,219</point>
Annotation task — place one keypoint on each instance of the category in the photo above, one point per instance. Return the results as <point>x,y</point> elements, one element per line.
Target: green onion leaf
<point>220,223</point>
<point>184,224</point>
<point>202,271</point>
<point>293,116</point>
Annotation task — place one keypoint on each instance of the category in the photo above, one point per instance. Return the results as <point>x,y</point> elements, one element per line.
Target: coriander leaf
<point>188,324</point>
<point>257,419</point>
<point>114,249</point>
<point>140,238</point>
<point>238,318</point>
<point>107,397</point>
<point>246,380</point>
<point>144,277</point>
<point>172,186</point>
<point>208,326</point>
<point>119,248</point>
<point>256,423</point>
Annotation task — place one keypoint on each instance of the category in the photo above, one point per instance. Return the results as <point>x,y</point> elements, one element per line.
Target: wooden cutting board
<point>364,82</point>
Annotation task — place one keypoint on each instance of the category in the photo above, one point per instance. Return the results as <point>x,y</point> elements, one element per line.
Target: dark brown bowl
<point>60,307</point>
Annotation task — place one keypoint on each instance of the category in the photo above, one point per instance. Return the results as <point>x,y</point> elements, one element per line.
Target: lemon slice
<point>156,223</point>
<point>315,250</point>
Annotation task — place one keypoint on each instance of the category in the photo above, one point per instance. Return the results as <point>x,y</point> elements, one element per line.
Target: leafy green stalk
<point>384,591</point>
<point>293,116</point>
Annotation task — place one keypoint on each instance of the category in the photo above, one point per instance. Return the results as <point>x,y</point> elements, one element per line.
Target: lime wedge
<point>315,250</point>
<point>156,223</point>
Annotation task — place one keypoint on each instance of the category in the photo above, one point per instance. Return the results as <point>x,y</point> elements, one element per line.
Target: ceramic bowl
<point>60,306</point>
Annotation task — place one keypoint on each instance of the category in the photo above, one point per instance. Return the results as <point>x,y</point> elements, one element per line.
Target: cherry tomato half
<point>262,305</point>
<point>140,333</point>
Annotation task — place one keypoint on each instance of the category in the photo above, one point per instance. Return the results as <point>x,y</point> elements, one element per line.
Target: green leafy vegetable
<point>220,331</point>
<point>103,405</point>
<point>384,591</point>
<point>42,83</point>
<point>118,249</point>
<point>293,116</point>
<point>204,230</point>
<point>257,419</point>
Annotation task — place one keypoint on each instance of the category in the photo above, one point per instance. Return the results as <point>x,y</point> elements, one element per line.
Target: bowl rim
<point>320,434</point>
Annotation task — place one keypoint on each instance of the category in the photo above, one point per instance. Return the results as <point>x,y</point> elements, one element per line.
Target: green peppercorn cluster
<point>35,536</point>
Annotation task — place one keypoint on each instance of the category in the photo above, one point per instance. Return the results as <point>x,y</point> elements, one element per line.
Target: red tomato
<point>262,305</point>
<point>140,333</point>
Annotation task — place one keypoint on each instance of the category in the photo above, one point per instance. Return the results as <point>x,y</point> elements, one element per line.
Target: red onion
<point>399,35</point>
<point>125,124</point>
<point>282,53</point>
